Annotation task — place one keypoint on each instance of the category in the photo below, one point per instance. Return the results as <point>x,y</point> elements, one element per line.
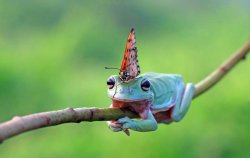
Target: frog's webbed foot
<point>144,125</point>
<point>117,127</point>
<point>114,126</point>
<point>127,123</point>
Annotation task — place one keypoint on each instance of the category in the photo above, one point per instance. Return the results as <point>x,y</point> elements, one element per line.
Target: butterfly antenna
<point>112,68</point>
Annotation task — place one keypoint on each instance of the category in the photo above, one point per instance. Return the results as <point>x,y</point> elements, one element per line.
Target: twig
<point>22,124</point>
<point>222,70</point>
<point>19,125</point>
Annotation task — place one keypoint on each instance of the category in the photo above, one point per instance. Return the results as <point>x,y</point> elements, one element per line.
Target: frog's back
<point>164,88</point>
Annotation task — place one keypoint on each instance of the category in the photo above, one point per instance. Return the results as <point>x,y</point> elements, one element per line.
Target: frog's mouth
<point>137,106</point>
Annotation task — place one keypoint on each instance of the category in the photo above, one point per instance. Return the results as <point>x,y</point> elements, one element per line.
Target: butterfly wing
<point>130,67</point>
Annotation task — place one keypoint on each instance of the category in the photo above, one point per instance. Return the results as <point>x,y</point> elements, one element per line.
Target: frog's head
<point>137,89</point>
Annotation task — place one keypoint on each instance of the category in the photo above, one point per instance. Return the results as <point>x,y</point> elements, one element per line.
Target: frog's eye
<point>111,82</point>
<point>145,85</point>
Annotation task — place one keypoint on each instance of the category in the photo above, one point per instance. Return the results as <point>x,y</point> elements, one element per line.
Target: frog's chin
<point>137,106</point>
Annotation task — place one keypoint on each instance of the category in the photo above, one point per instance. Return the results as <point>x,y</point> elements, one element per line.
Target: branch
<point>222,70</point>
<point>20,125</point>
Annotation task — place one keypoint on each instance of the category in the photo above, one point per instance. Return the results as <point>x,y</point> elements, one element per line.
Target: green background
<point>53,54</point>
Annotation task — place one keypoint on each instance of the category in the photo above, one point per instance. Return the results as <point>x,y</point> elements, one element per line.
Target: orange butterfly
<point>130,67</point>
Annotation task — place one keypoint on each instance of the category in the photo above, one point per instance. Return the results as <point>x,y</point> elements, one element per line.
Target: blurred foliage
<point>53,53</point>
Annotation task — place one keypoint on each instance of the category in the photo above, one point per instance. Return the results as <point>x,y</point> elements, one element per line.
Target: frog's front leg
<point>148,122</point>
<point>184,98</point>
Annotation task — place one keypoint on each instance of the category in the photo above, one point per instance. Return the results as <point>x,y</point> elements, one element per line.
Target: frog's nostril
<point>131,91</point>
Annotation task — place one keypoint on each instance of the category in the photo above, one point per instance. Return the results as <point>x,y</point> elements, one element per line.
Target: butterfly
<point>130,67</point>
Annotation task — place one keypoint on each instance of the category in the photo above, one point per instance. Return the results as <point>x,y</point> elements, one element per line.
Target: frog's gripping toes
<point>156,97</point>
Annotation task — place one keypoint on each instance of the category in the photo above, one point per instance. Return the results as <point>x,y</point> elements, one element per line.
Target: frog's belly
<point>136,106</point>
<point>164,116</point>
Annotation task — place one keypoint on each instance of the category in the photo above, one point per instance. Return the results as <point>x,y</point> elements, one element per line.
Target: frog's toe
<point>114,126</point>
<point>115,129</point>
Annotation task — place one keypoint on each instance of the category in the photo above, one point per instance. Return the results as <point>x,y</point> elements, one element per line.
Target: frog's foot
<point>144,125</point>
<point>115,126</point>
<point>127,123</point>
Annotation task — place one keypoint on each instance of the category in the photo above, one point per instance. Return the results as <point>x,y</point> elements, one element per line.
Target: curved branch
<point>18,125</point>
<point>222,70</point>
<point>23,124</point>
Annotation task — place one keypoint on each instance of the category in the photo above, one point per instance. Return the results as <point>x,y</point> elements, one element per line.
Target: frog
<point>155,97</point>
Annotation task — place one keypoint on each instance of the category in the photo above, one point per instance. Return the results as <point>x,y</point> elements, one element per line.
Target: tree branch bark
<point>26,123</point>
<point>18,125</point>
<point>222,70</point>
